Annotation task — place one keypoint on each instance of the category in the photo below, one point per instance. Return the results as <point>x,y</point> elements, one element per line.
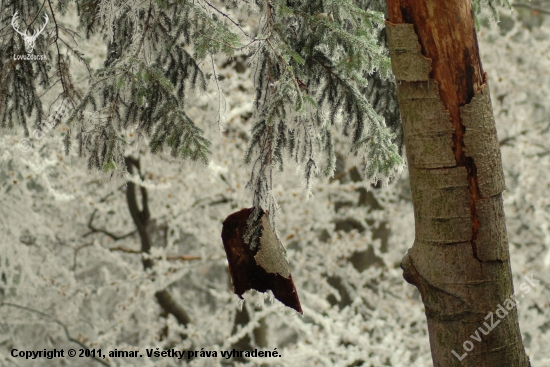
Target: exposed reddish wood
<point>459,286</point>
<point>447,35</point>
<point>244,267</point>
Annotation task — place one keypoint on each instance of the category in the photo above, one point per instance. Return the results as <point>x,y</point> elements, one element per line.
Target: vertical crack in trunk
<point>456,67</point>
<point>460,260</point>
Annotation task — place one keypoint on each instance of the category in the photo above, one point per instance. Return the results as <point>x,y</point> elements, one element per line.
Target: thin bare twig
<point>169,257</point>
<point>77,250</point>
<point>509,139</point>
<point>94,229</point>
<point>221,97</point>
<point>227,17</point>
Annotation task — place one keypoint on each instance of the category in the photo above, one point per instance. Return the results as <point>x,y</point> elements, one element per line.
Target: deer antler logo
<point>29,40</point>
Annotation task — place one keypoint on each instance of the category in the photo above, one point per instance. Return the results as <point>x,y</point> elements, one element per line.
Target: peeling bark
<point>460,260</point>
<point>264,268</point>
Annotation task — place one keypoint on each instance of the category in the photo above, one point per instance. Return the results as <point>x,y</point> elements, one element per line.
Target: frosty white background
<point>73,274</point>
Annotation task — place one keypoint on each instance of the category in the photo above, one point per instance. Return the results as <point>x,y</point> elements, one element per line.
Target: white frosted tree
<point>73,270</point>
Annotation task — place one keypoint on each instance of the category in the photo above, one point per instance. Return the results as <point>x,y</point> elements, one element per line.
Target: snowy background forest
<point>71,272</point>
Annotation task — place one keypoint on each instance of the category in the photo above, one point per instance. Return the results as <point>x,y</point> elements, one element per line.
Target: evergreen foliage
<point>311,59</point>
<point>321,67</point>
<point>492,5</point>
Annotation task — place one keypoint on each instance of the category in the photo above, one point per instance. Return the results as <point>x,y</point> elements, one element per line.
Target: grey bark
<point>459,261</point>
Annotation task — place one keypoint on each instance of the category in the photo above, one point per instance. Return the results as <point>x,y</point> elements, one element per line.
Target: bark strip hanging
<point>263,268</point>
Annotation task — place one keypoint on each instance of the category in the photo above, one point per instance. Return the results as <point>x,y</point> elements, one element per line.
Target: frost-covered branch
<point>141,219</point>
<point>94,229</point>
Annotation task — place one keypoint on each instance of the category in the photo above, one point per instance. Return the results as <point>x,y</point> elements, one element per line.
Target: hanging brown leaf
<point>262,268</point>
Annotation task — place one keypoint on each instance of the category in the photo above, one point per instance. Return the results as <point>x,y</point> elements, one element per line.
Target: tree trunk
<point>460,260</point>
<point>141,220</point>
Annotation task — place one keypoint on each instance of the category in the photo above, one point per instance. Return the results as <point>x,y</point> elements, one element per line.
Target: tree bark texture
<point>460,260</point>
